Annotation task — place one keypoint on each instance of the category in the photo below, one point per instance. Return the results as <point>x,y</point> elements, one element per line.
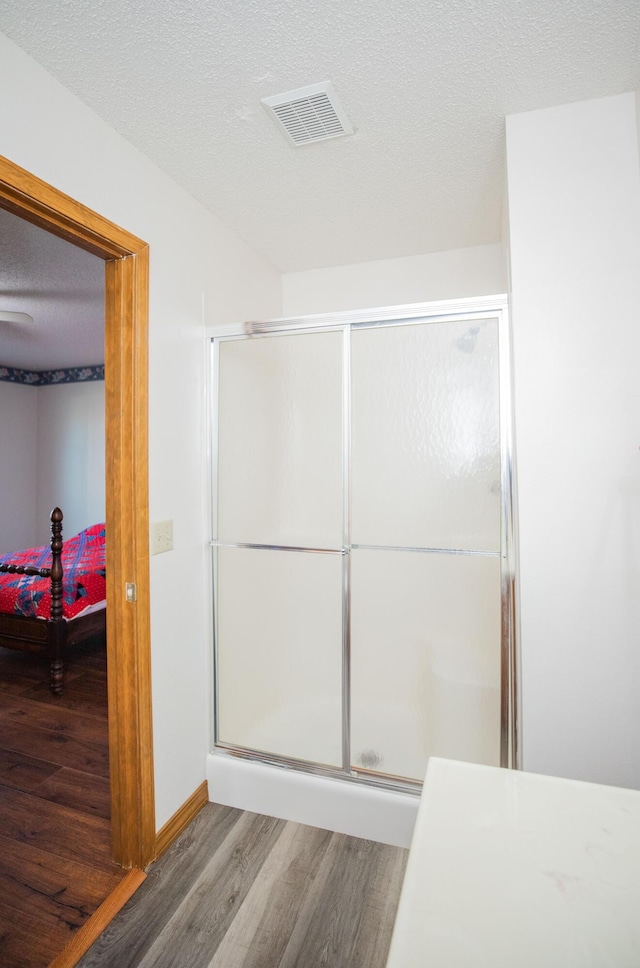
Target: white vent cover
<point>310,113</point>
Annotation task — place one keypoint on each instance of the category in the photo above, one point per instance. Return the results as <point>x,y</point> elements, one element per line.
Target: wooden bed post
<point>56,631</point>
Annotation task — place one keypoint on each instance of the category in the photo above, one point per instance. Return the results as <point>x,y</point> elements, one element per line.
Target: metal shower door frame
<point>495,307</point>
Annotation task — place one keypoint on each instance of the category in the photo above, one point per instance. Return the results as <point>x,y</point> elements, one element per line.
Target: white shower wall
<point>454,274</point>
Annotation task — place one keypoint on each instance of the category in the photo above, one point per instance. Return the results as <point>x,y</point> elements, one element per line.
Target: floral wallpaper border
<point>42,378</point>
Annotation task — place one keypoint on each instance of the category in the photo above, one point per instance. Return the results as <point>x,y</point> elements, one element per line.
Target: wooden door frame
<point>127,495</point>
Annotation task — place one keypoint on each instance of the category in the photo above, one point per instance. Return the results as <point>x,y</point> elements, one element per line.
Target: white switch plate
<point>161,537</point>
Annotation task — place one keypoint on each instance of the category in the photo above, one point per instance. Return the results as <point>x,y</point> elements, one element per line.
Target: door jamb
<point>127,502</point>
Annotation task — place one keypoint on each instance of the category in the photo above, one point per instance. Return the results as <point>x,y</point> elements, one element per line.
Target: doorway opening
<point>126,443</point>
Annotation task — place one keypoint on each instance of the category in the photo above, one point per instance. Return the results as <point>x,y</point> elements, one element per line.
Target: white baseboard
<point>349,808</point>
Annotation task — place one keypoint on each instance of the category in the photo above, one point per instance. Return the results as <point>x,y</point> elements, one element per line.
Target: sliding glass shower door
<point>360,552</point>
<point>425,540</point>
<point>279,563</point>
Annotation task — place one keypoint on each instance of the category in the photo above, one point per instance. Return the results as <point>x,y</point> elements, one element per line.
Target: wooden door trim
<point>127,495</point>
<point>34,200</point>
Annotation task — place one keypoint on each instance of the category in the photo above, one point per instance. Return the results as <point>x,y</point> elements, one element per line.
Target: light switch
<point>161,537</point>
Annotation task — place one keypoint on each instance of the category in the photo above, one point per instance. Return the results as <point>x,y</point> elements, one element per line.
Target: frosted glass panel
<point>425,647</point>
<point>280,652</point>
<point>280,440</point>
<point>426,446</point>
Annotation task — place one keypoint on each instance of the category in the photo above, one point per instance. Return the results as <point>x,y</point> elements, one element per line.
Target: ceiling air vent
<point>309,114</point>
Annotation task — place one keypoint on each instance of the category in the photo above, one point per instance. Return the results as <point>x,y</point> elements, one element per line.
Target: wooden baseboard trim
<point>182,818</point>
<point>101,917</point>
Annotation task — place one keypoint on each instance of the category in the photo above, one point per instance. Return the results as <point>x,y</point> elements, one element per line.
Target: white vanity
<point>518,870</point>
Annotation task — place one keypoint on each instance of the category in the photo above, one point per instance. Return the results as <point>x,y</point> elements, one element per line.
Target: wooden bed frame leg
<point>57,675</point>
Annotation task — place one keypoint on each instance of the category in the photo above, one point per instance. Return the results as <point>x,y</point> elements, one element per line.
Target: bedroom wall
<point>55,436</point>
<point>574,200</point>
<point>70,446</point>
<point>477,271</point>
<point>200,274</point>
<point>18,468</point>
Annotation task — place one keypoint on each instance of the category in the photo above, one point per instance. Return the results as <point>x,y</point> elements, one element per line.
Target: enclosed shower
<point>363,601</point>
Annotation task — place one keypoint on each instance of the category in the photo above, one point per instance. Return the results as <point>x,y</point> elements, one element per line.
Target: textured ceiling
<point>426,84</point>
<point>61,286</point>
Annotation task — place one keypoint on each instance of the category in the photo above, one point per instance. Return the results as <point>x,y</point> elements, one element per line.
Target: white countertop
<point>517,870</point>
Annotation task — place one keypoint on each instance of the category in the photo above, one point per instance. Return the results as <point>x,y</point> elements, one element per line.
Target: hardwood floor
<point>240,890</point>
<point>236,890</point>
<point>55,841</point>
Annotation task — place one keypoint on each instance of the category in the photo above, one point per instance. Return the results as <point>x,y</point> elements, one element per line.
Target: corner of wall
<point>637,95</point>
<point>506,235</point>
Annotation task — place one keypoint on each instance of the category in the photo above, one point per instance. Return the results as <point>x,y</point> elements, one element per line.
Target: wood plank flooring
<point>240,890</point>
<point>55,839</point>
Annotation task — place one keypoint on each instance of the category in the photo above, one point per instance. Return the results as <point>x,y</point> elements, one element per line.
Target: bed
<point>54,597</point>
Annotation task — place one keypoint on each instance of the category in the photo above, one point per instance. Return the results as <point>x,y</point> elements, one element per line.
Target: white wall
<point>70,444</point>
<point>194,260</point>
<point>477,271</point>
<point>55,438</point>
<point>574,199</point>
<point>18,466</point>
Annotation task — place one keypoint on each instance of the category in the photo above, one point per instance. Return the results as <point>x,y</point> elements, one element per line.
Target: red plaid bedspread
<point>83,581</point>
